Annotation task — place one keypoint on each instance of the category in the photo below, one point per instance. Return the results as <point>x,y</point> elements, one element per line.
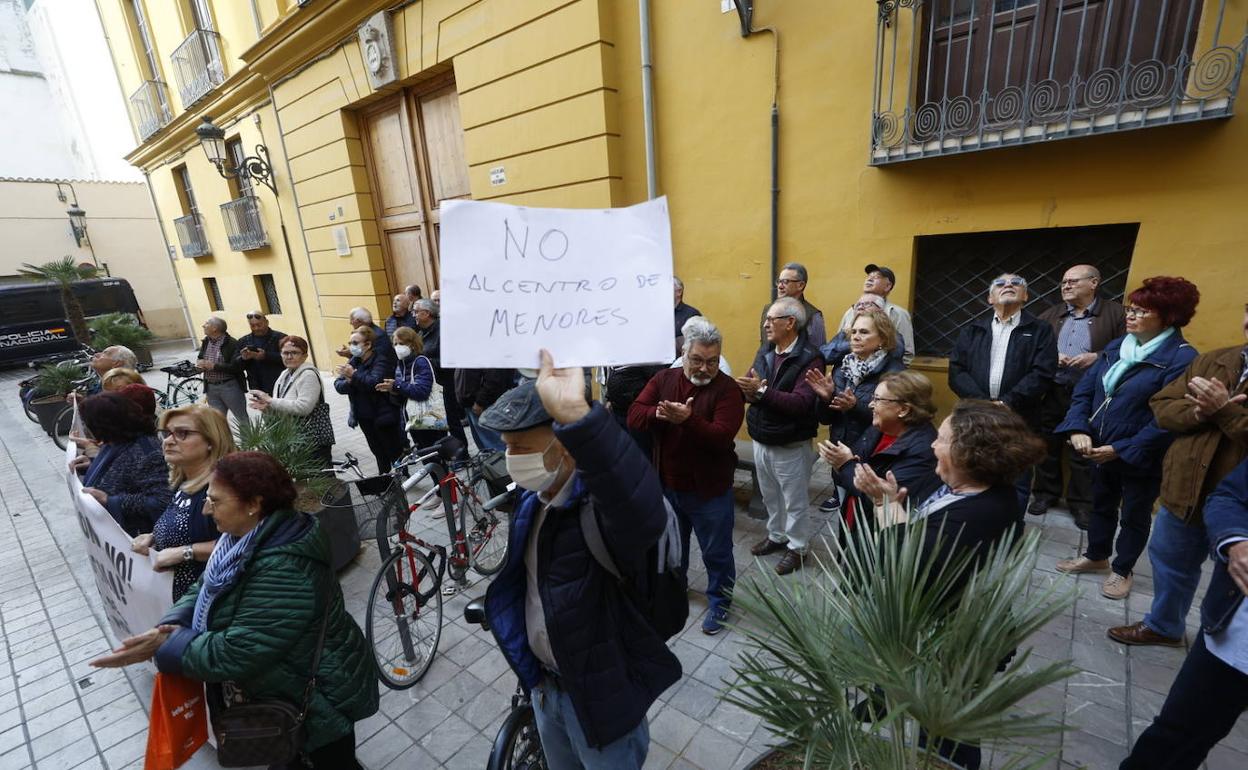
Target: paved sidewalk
<point>56,712</point>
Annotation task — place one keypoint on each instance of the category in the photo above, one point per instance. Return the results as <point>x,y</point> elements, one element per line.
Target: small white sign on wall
<point>498,175</point>
<point>593,286</point>
<point>342,243</point>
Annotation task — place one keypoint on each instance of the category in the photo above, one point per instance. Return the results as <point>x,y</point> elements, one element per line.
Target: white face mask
<point>355,349</point>
<point>529,470</point>
<point>402,351</point>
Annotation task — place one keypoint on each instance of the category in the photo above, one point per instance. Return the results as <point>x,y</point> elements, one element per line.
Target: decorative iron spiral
<point>1101,90</point>
<point>1045,97</point>
<point>959,115</point>
<point>886,130</point>
<point>1007,106</point>
<point>1214,70</point>
<point>926,121</point>
<point>1146,82</point>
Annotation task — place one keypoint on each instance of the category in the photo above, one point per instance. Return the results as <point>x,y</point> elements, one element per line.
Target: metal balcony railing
<point>191,236</point>
<point>243,224</point>
<point>149,108</point>
<point>956,76</point>
<point>197,66</point>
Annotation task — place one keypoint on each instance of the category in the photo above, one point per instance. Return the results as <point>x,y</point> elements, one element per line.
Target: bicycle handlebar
<point>498,500</point>
<point>415,479</point>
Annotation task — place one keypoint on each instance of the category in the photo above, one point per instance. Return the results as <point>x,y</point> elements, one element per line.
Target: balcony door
<point>414,150</point>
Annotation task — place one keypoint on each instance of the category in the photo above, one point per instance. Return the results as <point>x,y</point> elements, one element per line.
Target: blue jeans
<point>563,741</point>
<point>1177,552</point>
<point>483,436</point>
<point>711,520</point>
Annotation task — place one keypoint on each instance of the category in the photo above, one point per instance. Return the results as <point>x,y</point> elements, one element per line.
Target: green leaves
<point>284,436</point>
<point>63,271</point>
<point>58,379</point>
<point>119,329</point>
<point>879,615</point>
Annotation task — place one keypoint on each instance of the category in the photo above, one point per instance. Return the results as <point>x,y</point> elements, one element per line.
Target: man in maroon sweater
<point>693,414</point>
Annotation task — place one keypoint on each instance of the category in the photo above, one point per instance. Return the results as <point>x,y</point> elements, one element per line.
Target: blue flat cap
<point>518,409</point>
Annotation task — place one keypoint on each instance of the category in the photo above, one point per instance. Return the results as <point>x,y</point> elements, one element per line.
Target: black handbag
<point>319,427</point>
<point>267,731</point>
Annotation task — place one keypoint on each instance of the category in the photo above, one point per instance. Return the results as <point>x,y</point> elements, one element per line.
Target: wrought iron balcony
<point>149,108</point>
<point>956,76</point>
<point>243,224</point>
<point>197,66</point>
<point>191,236</point>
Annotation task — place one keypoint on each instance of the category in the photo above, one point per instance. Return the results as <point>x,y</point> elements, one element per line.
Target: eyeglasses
<point>292,353</point>
<point>876,399</point>
<point>177,434</point>
<point>698,363</point>
<point>1136,312</point>
<point>771,319</point>
<point>787,281</point>
<point>1073,281</point>
<point>999,282</point>
<point>255,317</point>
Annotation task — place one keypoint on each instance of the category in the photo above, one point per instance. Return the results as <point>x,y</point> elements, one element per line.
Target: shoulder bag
<point>320,429</point>
<point>268,731</point>
<point>429,414</point>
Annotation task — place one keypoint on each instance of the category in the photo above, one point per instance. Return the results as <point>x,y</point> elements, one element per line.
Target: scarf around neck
<point>1130,354</point>
<point>224,565</point>
<point>856,369</point>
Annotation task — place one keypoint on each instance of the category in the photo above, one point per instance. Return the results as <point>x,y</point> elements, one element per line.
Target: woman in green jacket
<point>249,626</point>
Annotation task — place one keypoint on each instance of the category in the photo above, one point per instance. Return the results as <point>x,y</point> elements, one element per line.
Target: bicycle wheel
<point>518,745</point>
<point>404,621</point>
<point>62,426</point>
<point>186,392</point>
<point>30,413</point>
<point>485,532</point>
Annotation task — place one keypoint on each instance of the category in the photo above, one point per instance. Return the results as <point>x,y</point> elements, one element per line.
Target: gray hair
<point>791,308</point>
<point>700,330</point>
<point>798,268</point>
<point>361,314</point>
<point>218,323</point>
<point>875,299</point>
<point>427,305</point>
<point>123,355</point>
<point>677,283</point>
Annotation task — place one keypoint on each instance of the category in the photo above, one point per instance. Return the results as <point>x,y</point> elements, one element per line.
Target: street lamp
<point>253,167</point>
<point>78,223</point>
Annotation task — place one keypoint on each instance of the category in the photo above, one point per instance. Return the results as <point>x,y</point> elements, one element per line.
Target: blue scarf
<point>100,463</point>
<point>1130,354</point>
<point>223,567</point>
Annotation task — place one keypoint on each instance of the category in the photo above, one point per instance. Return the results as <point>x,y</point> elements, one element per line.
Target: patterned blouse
<point>184,523</point>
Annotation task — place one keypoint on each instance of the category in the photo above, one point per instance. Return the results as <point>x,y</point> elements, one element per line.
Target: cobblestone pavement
<point>56,712</point>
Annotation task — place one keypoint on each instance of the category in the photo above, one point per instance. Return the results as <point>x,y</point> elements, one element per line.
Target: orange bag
<point>179,723</point>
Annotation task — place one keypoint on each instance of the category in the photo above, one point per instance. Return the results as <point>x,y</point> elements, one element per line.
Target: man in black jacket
<point>1008,356</point>
<point>591,662</point>
<point>223,370</point>
<point>259,353</point>
<point>430,330</point>
<point>476,390</point>
<point>781,421</point>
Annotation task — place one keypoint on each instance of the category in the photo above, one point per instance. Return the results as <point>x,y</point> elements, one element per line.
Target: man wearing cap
<point>880,282</point>
<point>591,663</point>
<point>792,283</point>
<point>259,353</point>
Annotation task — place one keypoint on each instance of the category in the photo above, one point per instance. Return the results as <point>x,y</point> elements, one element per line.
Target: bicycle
<point>518,744</point>
<point>184,386</point>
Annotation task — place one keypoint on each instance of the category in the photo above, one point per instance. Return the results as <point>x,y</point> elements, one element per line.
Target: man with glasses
<point>259,353</point>
<point>879,283</point>
<point>781,421</point>
<point>693,415</point>
<point>792,283</point>
<point>223,370</point>
<point>1008,356</point>
<point>1084,324</point>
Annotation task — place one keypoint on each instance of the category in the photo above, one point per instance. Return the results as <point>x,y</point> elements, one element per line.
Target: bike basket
<point>367,499</point>
<point>494,471</point>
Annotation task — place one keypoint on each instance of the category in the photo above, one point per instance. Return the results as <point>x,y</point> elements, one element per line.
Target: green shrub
<point>284,437</point>
<point>58,379</point>
<point>119,329</point>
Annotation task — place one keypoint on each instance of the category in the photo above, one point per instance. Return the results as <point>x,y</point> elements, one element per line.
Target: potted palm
<point>122,329</point>
<point>63,272</point>
<point>53,384</point>
<point>880,635</point>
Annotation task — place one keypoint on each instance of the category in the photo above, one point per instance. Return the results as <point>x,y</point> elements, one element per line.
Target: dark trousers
<point>1204,703</point>
<point>711,520</point>
<point>1112,488</point>
<point>455,415</point>
<point>336,755</point>
<point>1048,485</point>
<point>385,441</point>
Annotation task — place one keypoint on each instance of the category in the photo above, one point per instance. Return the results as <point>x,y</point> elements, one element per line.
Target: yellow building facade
<point>540,102</point>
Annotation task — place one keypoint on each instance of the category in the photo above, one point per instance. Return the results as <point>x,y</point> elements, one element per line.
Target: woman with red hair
<point>1110,423</point>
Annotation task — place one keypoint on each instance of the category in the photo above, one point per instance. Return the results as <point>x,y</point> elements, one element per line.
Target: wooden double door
<point>414,149</point>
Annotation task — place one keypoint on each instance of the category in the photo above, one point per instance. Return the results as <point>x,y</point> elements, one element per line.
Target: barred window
<point>214,295</point>
<point>267,291</point>
<point>953,273</point>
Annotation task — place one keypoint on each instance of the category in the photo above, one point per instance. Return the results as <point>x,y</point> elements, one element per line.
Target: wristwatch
<point>188,554</point>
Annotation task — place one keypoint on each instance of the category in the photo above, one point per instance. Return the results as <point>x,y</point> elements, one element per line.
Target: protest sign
<point>593,286</point>
<point>134,594</point>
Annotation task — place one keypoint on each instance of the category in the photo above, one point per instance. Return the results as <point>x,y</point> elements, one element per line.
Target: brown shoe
<point>1140,634</point>
<point>1082,564</point>
<point>792,560</point>
<point>766,546</point>
<point>1116,586</point>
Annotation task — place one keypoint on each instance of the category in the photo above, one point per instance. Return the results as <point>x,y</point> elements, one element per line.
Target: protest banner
<point>134,594</point>
<point>593,286</point>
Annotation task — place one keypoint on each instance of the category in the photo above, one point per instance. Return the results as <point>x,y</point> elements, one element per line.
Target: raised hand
<point>822,384</point>
<point>562,390</point>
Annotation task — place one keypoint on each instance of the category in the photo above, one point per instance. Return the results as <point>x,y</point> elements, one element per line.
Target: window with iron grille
<point>214,295</point>
<point>953,273</point>
<point>240,185</point>
<point>266,289</point>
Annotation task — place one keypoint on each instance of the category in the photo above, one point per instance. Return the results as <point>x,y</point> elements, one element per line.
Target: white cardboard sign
<point>134,594</point>
<point>593,286</point>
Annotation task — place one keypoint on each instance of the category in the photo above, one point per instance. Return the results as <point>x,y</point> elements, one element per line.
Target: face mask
<point>356,349</point>
<point>529,470</point>
<point>402,351</point>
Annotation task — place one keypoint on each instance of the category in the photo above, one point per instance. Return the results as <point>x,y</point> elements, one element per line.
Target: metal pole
<point>647,97</point>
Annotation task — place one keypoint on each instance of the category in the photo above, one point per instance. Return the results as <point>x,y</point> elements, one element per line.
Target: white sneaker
<point>1116,586</point>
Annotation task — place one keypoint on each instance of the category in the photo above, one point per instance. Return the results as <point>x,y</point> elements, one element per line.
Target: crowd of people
<point>1102,404</point>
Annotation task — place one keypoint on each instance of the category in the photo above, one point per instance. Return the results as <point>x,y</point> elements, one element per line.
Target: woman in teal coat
<point>249,627</point>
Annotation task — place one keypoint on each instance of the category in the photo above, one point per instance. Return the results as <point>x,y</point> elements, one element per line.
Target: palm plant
<point>120,329</point>
<point>63,272</point>
<point>883,625</point>
<point>58,379</point>
<point>284,436</point>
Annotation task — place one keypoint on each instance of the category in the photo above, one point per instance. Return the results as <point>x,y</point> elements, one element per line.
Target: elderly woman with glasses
<point>1111,424</point>
<point>193,439</point>
<point>298,391</point>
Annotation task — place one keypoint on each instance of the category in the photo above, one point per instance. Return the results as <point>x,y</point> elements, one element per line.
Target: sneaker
<point>1116,586</point>
<point>1082,564</point>
<point>714,621</point>
<point>434,506</point>
<point>831,505</point>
